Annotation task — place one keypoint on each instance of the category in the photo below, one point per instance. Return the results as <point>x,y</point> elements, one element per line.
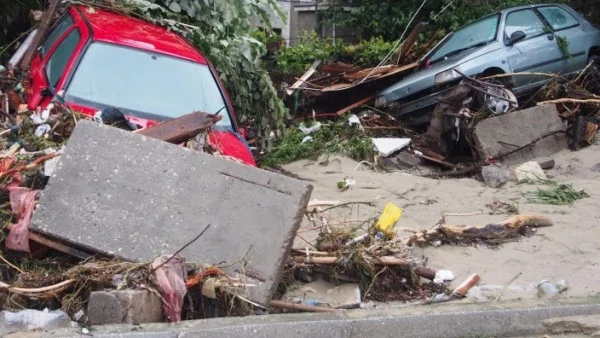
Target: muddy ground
<point>568,250</point>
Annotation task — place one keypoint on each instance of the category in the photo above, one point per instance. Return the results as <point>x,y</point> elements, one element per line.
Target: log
<point>410,42</point>
<point>182,128</point>
<point>40,33</point>
<point>501,230</point>
<point>354,105</point>
<point>385,260</point>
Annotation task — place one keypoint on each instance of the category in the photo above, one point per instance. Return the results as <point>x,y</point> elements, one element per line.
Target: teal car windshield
<point>474,35</point>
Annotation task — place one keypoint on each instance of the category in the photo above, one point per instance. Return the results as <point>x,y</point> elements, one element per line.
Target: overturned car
<point>544,38</point>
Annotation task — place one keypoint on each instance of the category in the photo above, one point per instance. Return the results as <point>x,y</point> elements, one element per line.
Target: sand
<point>568,250</point>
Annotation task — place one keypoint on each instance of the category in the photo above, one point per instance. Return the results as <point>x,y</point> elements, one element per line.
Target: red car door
<point>52,60</point>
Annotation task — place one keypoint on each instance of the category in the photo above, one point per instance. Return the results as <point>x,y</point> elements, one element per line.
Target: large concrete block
<point>124,306</point>
<point>503,133</point>
<point>137,198</point>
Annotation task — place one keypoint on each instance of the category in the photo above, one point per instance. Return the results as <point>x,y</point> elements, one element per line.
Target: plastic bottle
<point>388,219</point>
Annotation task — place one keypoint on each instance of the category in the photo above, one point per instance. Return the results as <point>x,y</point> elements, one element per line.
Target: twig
<point>591,101</point>
<point>348,203</point>
<point>29,166</point>
<point>180,250</point>
<point>10,264</point>
<point>506,286</point>
<point>465,214</point>
<point>301,307</point>
<point>583,71</point>
<point>528,144</point>
<point>25,291</point>
<point>361,163</point>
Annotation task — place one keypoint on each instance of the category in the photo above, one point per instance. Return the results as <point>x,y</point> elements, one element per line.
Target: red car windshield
<point>144,84</point>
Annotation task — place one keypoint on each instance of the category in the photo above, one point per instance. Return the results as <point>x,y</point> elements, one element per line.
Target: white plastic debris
<point>443,276</point>
<point>389,145</point>
<point>530,172</point>
<point>26,320</point>
<point>307,131</point>
<point>42,129</point>
<point>307,139</point>
<point>353,119</point>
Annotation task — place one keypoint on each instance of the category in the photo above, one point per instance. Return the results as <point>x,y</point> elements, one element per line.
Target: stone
<point>321,292</point>
<point>589,325</point>
<point>124,306</point>
<point>402,160</point>
<point>118,193</point>
<point>596,167</point>
<point>503,133</point>
<point>547,164</point>
<point>530,172</point>
<point>496,176</point>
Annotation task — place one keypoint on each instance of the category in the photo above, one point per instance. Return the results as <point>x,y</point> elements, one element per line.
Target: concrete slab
<point>137,198</point>
<point>503,133</point>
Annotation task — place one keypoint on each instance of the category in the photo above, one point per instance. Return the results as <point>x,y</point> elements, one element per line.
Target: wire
<point>442,11</point>
<point>396,47</point>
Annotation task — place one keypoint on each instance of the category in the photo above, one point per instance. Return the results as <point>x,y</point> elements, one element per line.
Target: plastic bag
<point>33,320</point>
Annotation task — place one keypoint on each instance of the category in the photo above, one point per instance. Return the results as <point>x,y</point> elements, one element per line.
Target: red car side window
<point>59,29</point>
<point>61,56</point>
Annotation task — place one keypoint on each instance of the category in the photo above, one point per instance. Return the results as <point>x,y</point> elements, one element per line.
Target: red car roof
<point>127,31</point>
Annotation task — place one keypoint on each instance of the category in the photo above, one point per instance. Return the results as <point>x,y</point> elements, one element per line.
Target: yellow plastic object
<point>388,219</point>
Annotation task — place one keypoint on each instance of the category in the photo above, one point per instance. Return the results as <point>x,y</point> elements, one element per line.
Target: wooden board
<point>182,128</point>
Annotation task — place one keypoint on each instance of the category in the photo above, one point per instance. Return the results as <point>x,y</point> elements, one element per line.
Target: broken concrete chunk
<point>119,193</point>
<point>403,160</point>
<point>496,176</point>
<point>530,172</point>
<point>501,134</point>
<point>547,164</point>
<point>124,306</point>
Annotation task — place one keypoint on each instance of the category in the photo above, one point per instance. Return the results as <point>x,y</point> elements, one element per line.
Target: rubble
<point>124,306</point>
<point>149,198</point>
<point>495,175</point>
<point>530,172</point>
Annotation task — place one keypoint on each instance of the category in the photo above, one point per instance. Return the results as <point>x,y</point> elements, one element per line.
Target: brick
<point>124,306</point>
<point>119,193</point>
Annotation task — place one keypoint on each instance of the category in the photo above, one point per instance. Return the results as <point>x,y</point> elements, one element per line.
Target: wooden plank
<point>410,42</point>
<point>355,105</point>
<point>41,32</point>
<point>182,128</point>
<point>56,245</point>
<point>304,77</point>
<point>394,71</point>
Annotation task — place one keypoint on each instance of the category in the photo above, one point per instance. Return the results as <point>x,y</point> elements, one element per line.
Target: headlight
<point>380,101</point>
<point>446,76</point>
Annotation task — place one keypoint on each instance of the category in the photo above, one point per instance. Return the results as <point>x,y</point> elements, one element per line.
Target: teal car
<point>543,38</point>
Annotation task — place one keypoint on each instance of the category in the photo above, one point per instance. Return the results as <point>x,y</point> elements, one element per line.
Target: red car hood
<point>226,142</point>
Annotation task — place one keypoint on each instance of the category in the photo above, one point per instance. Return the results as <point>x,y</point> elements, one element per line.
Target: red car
<point>101,59</point>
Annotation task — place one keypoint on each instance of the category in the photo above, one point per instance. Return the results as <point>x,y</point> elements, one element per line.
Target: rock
<point>119,193</point>
<point>596,167</point>
<point>320,292</point>
<point>403,160</point>
<point>496,176</point>
<point>547,164</point>
<point>589,325</point>
<point>503,133</point>
<point>530,171</point>
<point>124,306</point>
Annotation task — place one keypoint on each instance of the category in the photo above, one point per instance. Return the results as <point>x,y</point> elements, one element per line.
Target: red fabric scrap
<point>22,201</point>
<point>171,284</point>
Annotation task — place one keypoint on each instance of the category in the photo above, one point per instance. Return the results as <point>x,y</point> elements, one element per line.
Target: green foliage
<point>556,194</point>
<point>563,44</point>
<point>298,58</point>
<point>332,138</point>
<point>388,19</point>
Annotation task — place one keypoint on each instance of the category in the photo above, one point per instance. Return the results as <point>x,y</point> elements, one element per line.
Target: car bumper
<point>428,101</point>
